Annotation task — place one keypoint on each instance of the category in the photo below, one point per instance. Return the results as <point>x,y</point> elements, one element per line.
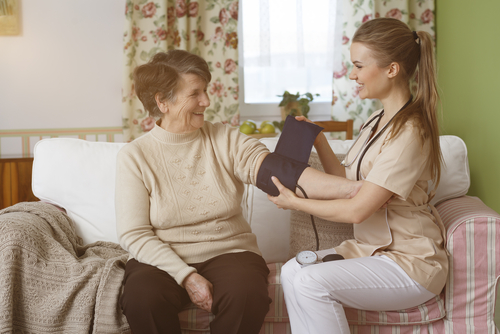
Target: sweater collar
<point>173,138</point>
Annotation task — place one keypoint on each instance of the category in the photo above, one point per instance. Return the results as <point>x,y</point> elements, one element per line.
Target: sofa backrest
<point>79,176</point>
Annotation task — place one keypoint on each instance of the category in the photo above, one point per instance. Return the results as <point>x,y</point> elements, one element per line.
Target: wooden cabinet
<point>15,180</point>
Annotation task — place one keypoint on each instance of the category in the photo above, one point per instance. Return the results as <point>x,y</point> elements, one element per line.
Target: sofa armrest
<point>473,240</point>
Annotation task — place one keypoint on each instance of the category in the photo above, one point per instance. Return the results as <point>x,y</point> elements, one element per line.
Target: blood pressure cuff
<point>290,158</point>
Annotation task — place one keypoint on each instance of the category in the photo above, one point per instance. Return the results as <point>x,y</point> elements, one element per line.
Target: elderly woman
<point>179,189</point>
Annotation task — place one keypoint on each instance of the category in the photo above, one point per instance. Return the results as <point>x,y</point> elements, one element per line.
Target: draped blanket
<point>50,282</point>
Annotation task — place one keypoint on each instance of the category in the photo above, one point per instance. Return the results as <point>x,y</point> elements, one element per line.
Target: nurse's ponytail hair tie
<point>415,37</point>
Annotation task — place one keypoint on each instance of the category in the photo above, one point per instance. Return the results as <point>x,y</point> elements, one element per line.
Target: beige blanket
<point>50,282</point>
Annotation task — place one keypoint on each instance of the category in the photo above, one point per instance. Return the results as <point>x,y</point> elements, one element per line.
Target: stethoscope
<point>367,143</point>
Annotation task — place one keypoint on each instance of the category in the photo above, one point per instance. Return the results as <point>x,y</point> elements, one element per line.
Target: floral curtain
<point>207,28</point>
<point>418,14</point>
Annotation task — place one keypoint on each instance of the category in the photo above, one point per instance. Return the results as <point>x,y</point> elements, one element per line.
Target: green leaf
<point>217,107</point>
<point>210,115</point>
<point>144,56</point>
<point>214,19</point>
<point>231,110</point>
<point>279,125</point>
<point>303,102</point>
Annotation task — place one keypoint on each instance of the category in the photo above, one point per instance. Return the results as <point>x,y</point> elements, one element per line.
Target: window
<point>287,45</point>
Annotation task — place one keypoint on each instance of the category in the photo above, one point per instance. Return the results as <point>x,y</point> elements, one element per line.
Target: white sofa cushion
<point>455,174</point>
<point>79,176</point>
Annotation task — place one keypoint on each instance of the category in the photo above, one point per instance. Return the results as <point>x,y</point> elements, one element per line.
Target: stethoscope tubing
<point>366,145</point>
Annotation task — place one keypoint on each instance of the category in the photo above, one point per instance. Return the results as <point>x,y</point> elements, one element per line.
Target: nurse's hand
<point>304,119</point>
<point>200,291</point>
<point>286,197</point>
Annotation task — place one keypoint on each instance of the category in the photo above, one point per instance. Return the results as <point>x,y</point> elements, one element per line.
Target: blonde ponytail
<point>390,40</point>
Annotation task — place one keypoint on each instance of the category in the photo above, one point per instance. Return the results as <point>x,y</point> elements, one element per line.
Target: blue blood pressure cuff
<point>290,158</point>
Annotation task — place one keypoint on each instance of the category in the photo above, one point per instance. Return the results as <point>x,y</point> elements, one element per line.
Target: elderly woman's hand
<point>285,198</point>
<point>200,291</point>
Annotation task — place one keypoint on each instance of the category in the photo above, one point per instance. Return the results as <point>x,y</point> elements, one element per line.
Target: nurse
<point>397,259</point>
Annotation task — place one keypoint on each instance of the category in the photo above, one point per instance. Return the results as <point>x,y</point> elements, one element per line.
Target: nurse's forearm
<point>328,159</point>
<point>319,185</point>
<point>367,201</point>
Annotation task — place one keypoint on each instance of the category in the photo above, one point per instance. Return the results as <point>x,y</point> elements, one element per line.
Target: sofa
<point>74,180</point>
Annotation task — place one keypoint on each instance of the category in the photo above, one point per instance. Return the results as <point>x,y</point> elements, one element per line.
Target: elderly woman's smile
<point>185,113</point>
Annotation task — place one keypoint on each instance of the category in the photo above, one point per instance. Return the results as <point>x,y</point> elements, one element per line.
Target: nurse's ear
<point>393,70</point>
<point>162,104</point>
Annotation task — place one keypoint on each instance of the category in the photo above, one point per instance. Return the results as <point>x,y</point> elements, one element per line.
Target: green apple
<point>267,128</point>
<point>247,129</point>
<point>251,123</point>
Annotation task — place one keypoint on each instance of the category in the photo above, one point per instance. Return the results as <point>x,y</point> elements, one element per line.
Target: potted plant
<point>294,105</point>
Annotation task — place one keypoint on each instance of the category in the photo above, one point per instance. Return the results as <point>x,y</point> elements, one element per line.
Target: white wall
<point>65,68</point>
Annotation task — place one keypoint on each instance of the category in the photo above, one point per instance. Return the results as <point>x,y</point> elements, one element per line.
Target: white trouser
<point>315,295</point>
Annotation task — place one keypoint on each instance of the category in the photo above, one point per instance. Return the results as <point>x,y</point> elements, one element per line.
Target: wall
<point>468,49</point>
<point>62,75</point>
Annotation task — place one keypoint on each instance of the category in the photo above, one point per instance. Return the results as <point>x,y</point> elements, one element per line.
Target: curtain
<point>207,28</point>
<point>418,14</point>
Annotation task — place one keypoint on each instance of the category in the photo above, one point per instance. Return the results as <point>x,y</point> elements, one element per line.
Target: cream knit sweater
<point>178,196</point>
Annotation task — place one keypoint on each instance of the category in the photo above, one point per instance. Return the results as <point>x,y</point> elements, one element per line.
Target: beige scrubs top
<point>409,231</point>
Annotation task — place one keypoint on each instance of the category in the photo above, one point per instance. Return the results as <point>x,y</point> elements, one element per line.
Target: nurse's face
<point>373,80</point>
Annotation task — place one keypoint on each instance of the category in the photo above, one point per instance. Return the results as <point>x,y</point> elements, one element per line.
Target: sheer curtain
<point>289,45</point>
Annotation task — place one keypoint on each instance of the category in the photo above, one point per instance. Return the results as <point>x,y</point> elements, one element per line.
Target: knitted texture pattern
<point>178,196</point>
<point>50,282</point>
<point>331,234</point>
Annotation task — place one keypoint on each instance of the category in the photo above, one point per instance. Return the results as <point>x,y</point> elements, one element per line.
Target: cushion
<point>330,234</point>
<point>270,224</point>
<point>79,176</point>
<point>455,174</point>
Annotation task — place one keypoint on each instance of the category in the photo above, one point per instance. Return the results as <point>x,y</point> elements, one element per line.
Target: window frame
<point>269,111</point>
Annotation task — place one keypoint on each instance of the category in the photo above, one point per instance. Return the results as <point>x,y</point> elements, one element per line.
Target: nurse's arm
<point>328,159</point>
<point>365,203</point>
<point>319,185</point>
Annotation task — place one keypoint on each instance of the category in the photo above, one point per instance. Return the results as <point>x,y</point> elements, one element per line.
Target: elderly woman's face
<point>186,114</point>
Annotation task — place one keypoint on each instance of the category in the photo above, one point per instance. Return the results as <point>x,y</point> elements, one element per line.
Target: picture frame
<point>9,17</point>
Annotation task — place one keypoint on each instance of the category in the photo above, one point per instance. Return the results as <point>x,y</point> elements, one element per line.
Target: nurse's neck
<point>395,101</point>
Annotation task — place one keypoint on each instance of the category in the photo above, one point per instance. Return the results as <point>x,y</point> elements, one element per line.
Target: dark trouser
<point>152,299</point>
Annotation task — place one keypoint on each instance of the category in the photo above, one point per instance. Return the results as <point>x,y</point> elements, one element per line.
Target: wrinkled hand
<point>200,291</point>
<point>285,198</point>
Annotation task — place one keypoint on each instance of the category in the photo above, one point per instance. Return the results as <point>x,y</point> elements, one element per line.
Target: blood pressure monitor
<point>306,258</point>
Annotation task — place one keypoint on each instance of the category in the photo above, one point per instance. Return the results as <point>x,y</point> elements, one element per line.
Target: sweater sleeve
<point>135,232</point>
<point>244,151</point>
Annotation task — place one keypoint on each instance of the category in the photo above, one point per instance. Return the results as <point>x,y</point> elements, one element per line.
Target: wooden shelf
<point>15,177</point>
